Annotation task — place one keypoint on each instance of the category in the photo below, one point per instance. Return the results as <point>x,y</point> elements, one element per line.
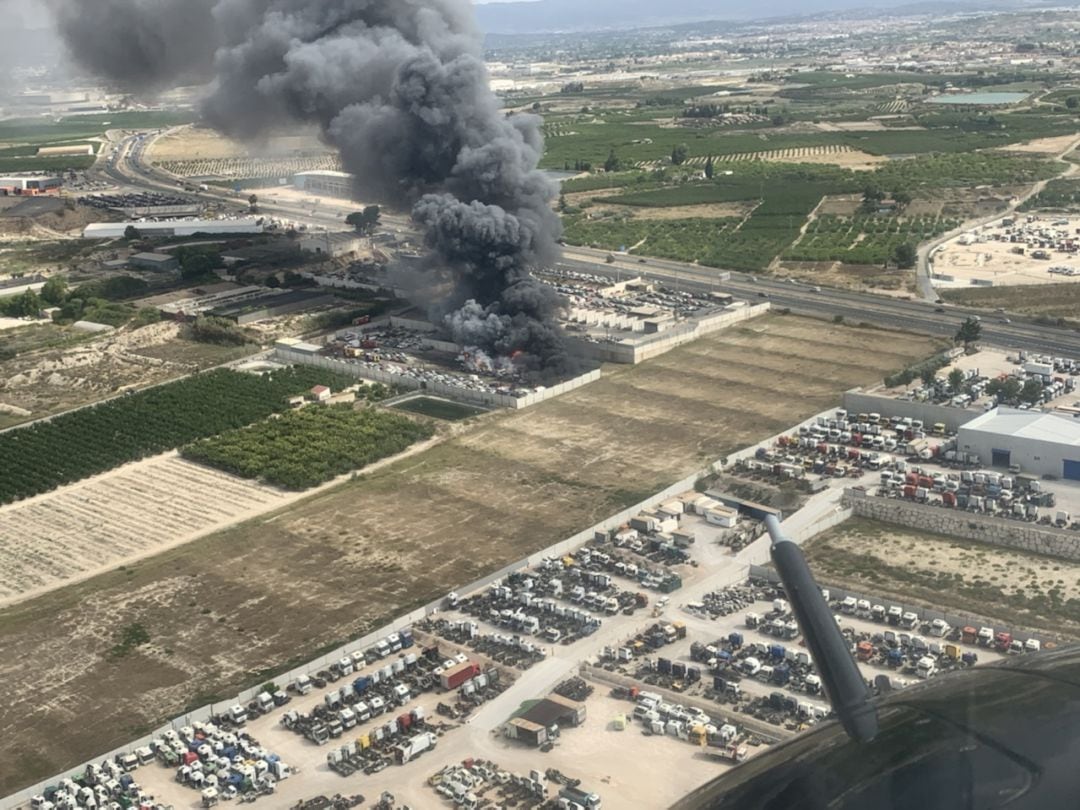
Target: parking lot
<point>1019,249</point>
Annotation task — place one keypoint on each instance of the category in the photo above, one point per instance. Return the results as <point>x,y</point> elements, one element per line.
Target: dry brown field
<point>224,610</point>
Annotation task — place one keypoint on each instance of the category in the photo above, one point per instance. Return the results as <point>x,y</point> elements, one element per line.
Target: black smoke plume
<point>399,87</point>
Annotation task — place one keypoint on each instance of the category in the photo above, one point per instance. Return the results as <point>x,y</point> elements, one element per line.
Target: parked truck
<point>414,747</point>
<point>456,675</point>
<point>575,795</point>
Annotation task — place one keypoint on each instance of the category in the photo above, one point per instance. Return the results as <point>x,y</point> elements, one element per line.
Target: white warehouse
<point>1041,443</point>
<point>173,227</point>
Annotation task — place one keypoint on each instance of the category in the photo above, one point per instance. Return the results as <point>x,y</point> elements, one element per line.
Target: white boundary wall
<point>202,714</point>
<point>489,398</point>
<point>638,349</point>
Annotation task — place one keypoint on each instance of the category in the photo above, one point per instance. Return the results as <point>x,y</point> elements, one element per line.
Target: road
<point>132,170</point>
<point>926,250</point>
<point>855,307</point>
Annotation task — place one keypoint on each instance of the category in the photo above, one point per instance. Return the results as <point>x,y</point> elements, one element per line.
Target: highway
<point>918,316</point>
<point>131,170</point>
<point>855,307</point>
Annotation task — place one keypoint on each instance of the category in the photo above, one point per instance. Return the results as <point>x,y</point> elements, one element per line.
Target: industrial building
<point>552,711</point>
<point>271,305</point>
<point>176,227</point>
<point>1040,443</point>
<point>158,262</point>
<point>326,183</point>
<point>332,245</point>
<point>33,184</point>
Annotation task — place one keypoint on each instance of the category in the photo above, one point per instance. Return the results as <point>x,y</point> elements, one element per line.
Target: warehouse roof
<point>323,173</point>
<point>154,257</point>
<point>549,711</point>
<point>1034,425</point>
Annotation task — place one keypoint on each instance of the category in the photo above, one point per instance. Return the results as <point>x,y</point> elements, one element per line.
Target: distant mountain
<point>591,15</point>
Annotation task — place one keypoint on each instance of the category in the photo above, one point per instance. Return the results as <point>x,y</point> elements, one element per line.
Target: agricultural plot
<point>1059,195</point>
<point>21,137</point>
<point>1002,585</point>
<point>788,194</point>
<point>305,448</point>
<point>270,169</point>
<point>42,456</point>
<point>642,142</point>
<point>682,239</point>
<point>828,154</point>
<point>275,591</point>
<point>865,239</point>
<point>140,508</point>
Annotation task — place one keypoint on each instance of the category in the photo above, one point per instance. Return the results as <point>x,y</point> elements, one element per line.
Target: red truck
<point>455,676</point>
<point>1002,641</point>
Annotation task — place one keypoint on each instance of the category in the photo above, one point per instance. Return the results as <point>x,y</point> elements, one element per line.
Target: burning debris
<point>400,89</point>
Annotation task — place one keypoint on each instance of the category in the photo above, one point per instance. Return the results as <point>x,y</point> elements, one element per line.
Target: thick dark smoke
<point>400,89</point>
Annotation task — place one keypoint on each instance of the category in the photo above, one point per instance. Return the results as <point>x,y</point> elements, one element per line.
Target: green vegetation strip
<point>864,239</point>
<point>1059,195</point>
<point>304,448</point>
<point>438,408</point>
<point>45,455</point>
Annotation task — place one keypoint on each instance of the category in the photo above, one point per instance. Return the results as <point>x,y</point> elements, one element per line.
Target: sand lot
<point>274,591</point>
<point>191,143</point>
<point>1043,146</point>
<point>1006,586</point>
<point>48,381</point>
<point>996,262</point>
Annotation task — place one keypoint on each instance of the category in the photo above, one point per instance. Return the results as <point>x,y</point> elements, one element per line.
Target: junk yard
<point>661,633</point>
<point>398,419</point>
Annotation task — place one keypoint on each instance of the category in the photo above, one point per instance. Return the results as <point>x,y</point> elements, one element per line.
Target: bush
<point>208,329</point>
<point>45,455</point>
<point>304,448</point>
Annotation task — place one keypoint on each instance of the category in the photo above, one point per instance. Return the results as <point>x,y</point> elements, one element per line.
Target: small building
<point>320,393</point>
<point>332,245</point>
<point>1041,443</point>
<point>721,516</point>
<point>527,732</point>
<point>91,326</point>
<point>158,262</point>
<point>29,183</point>
<point>555,710</point>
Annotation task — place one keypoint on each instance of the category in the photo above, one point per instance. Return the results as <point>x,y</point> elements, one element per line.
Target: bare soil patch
<point>1042,146</point>
<point>1007,587</point>
<point>273,592</point>
<point>191,143</point>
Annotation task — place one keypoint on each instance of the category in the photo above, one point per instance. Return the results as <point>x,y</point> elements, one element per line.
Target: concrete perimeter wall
<point>639,349</point>
<point>488,398</point>
<point>929,413</point>
<point>203,714</point>
<point>996,531</point>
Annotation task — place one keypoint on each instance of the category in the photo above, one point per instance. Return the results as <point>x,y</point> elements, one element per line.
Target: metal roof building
<point>327,183</point>
<point>1041,443</point>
